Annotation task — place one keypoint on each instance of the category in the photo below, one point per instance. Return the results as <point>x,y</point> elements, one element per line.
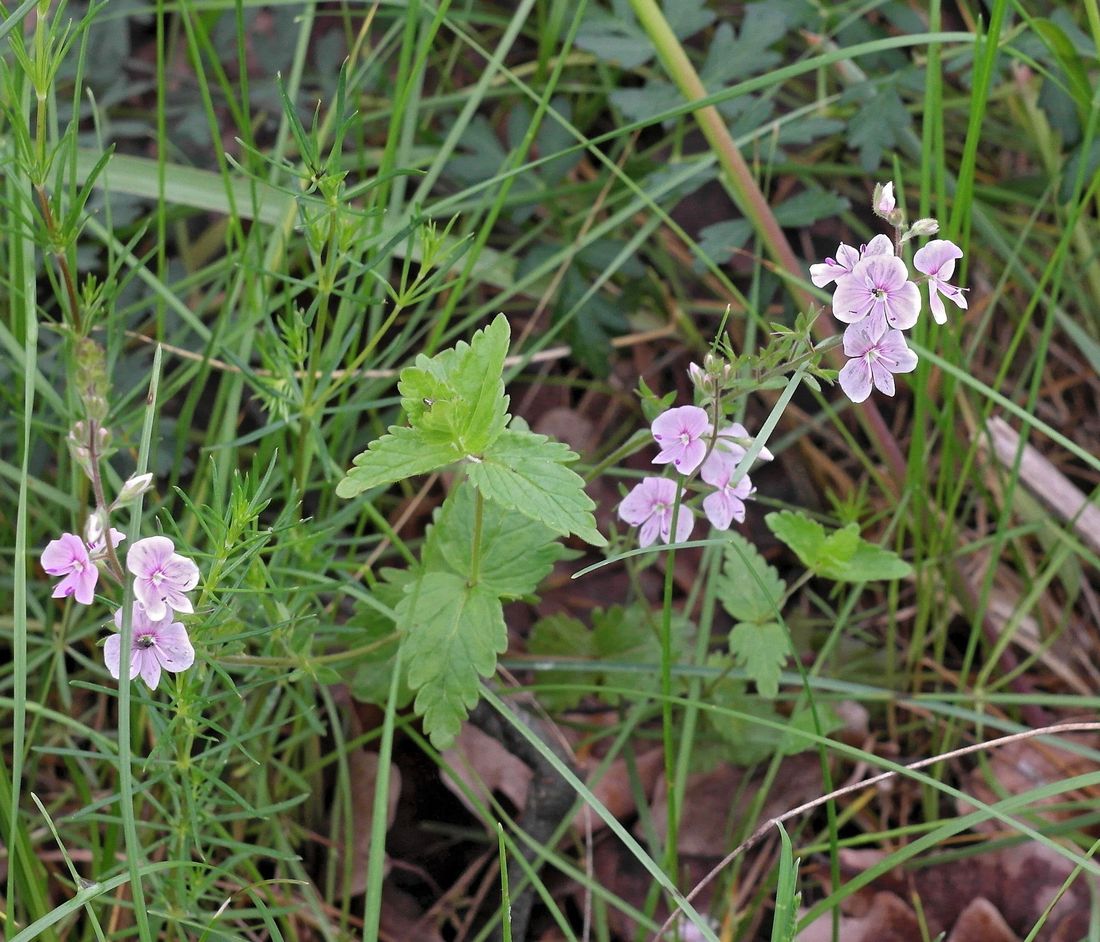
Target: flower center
<point>880,294</point>
<point>145,641</point>
<point>157,578</point>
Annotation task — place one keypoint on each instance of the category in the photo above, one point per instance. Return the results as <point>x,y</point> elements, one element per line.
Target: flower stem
<point>101,500</point>
<point>672,797</point>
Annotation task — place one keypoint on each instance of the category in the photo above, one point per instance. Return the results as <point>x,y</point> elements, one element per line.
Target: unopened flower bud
<point>137,485</point>
<point>883,200</point>
<point>94,527</point>
<point>922,227</point>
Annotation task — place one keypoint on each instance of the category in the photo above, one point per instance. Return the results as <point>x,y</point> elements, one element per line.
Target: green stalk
<point>372,915</point>
<point>671,861</point>
<point>125,771</point>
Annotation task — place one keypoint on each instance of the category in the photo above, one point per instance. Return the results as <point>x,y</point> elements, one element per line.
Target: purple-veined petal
<point>649,531</point>
<point>883,378</point>
<point>149,666</point>
<point>174,648</point>
<point>855,379</point>
<point>111,654</point>
<point>858,339</point>
<point>149,555</point>
<point>903,306</point>
<point>181,572</point>
<point>933,256</point>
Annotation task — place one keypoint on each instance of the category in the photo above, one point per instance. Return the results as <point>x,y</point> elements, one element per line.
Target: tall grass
<point>300,199</point>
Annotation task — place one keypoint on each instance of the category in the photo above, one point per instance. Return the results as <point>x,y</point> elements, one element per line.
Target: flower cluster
<point>689,443</point>
<point>162,579</point>
<point>876,299</point>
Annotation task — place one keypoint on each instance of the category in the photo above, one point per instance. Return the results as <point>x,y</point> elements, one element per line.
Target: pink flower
<point>162,576</point>
<point>154,644</point>
<point>833,269</point>
<point>937,261</point>
<point>650,505</point>
<point>682,435</point>
<point>731,442</point>
<point>879,288</point>
<point>68,556</point>
<point>98,546</point>
<point>727,503</point>
<point>877,352</point>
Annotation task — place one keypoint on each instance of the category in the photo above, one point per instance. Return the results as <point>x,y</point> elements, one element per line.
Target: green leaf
<point>459,393</point>
<point>517,553</point>
<point>804,536</point>
<point>878,122</point>
<point>618,635</point>
<point>762,650</point>
<point>787,897</point>
<point>615,35</point>
<point>526,472</point>
<point>628,635</point>
<point>808,206</point>
<point>1076,75</point>
<point>747,743</point>
<point>562,636</point>
<point>396,456</point>
<point>870,562</point>
<point>453,634</point>
<point>750,589</point>
<point>842,555</point>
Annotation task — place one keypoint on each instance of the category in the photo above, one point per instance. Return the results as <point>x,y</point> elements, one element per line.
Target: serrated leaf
<point>628,635</point>
<point>452,634</point>
<point>762,650</point>
<point>803,536</point>
<point>750,589</point>
<point>803,720</point>
<point>459,393</point>
<point>807,207</point>
<point>400,454</point>
<point>870,562</point>
<point>562,636</point>
<point>747,743</point>
<point>373,672</point>
<point>516,553</point>
<point>526,473</point>
<point>877,124</point>
<point>615,35</point>
<point>837,550</point>
<point>843,555</point>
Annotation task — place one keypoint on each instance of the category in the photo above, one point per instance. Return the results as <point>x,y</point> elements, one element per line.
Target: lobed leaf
<point>526,472</point>
<point>452,634</point>
<point>459,393</point>
<point>516,553</point>
<point>395,456</point>
<point>750,589</point>
<point>762,650</point>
